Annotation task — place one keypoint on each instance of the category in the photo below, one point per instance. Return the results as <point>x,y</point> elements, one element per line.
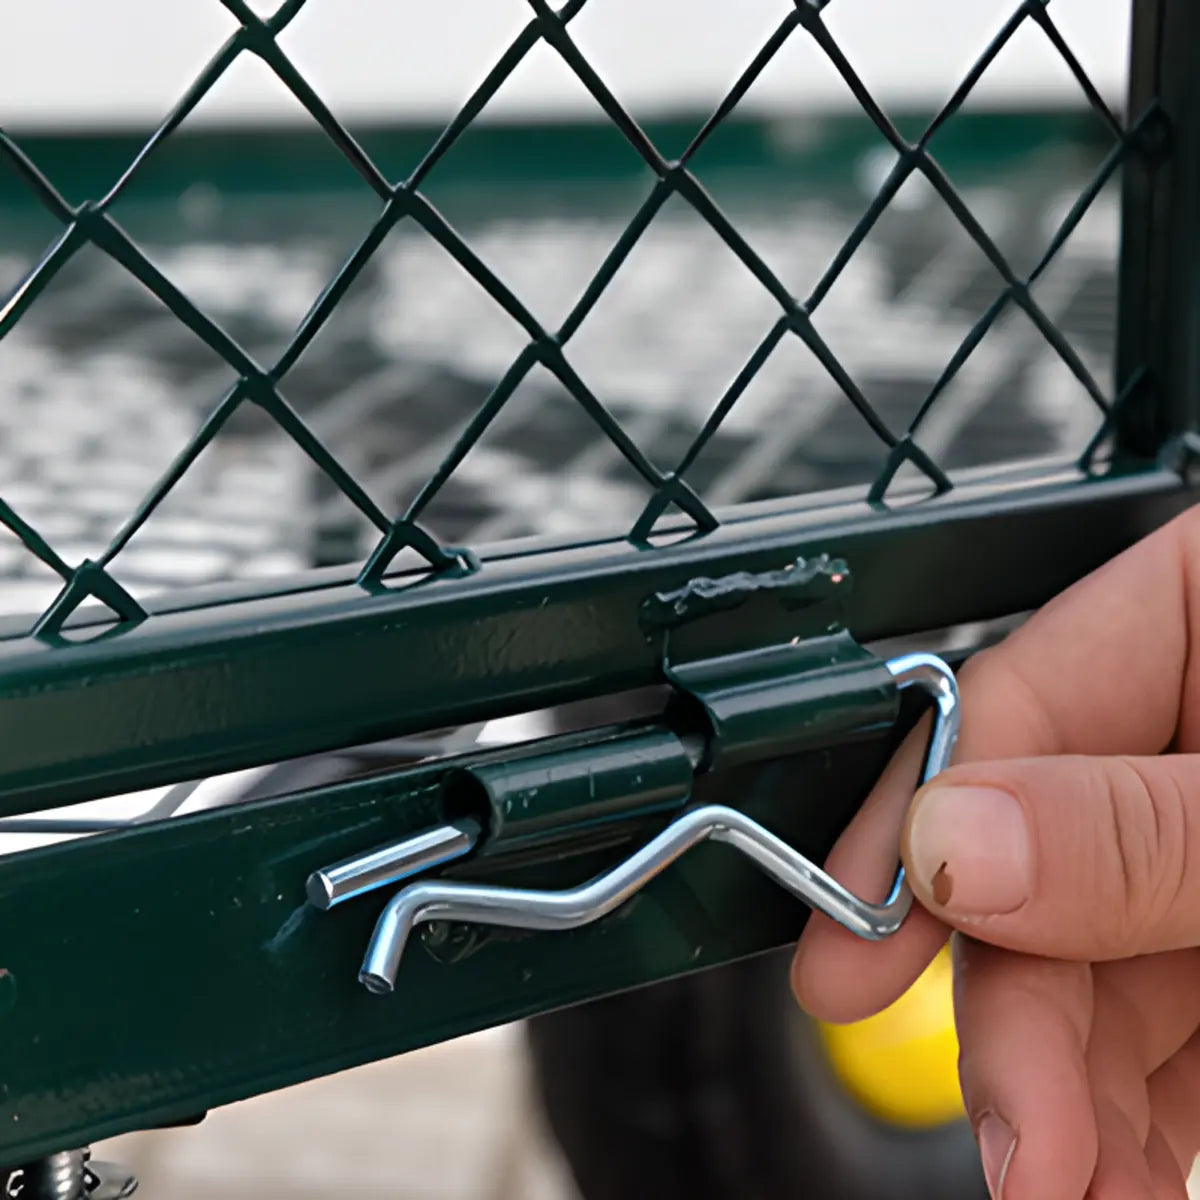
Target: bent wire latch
<point>532,909</point>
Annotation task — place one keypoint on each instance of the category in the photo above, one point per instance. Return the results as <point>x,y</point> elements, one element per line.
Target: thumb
<point>1069,857</point>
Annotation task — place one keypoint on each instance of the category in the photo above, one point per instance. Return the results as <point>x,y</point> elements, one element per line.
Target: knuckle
<point>999,674</point>
<point>1146,846</point>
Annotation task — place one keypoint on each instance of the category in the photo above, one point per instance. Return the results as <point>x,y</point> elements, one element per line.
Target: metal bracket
<point>569,908</point>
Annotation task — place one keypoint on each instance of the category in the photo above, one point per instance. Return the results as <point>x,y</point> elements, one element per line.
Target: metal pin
<point>389,864</point>
<point>932,676</point>
<point>521,909</point>
<point>572,907</point>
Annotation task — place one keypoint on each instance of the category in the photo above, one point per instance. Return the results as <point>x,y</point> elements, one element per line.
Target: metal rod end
<point>383,865</point>
<point>376,983</point>
<point>318,889</point>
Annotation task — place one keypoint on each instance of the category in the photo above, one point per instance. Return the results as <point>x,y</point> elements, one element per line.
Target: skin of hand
<point>1062,850</point>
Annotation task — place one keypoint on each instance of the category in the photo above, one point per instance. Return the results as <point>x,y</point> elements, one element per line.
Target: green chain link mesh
<point>263,384</point>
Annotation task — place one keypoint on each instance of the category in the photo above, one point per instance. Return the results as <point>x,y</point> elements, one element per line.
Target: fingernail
<point>970,848</point>
<point>996,1145</point>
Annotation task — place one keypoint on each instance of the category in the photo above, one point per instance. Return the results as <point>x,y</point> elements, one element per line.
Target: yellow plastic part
<point>902,1064</point>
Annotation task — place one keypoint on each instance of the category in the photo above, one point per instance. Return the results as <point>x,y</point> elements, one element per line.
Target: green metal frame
<point>177,968</point>
<point>1158,356</point>
<point>203,690</point>
<point>149,974</point>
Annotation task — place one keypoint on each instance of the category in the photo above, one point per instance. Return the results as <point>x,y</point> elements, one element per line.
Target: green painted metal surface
<point>773,701</point>
<point>176,967</point>
<point>217,688</point>
<point>536,803</point>
<point>1160,284</point>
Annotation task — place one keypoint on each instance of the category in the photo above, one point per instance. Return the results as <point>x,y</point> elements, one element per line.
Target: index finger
<point>1101,669</point>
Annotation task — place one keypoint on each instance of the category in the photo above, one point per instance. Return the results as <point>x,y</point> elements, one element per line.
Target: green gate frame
<point>149,974</point>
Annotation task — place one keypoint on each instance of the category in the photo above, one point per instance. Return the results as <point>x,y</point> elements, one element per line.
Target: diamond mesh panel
<point>804,399</point>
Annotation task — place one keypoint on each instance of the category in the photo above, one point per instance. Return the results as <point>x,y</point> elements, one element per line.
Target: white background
<point>127,61</point>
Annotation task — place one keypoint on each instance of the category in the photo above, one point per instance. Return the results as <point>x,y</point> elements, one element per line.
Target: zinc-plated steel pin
<point>568,909</point>
<point>391,863</point>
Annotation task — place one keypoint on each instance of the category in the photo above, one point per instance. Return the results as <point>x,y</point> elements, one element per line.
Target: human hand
<point>1064,847</point>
